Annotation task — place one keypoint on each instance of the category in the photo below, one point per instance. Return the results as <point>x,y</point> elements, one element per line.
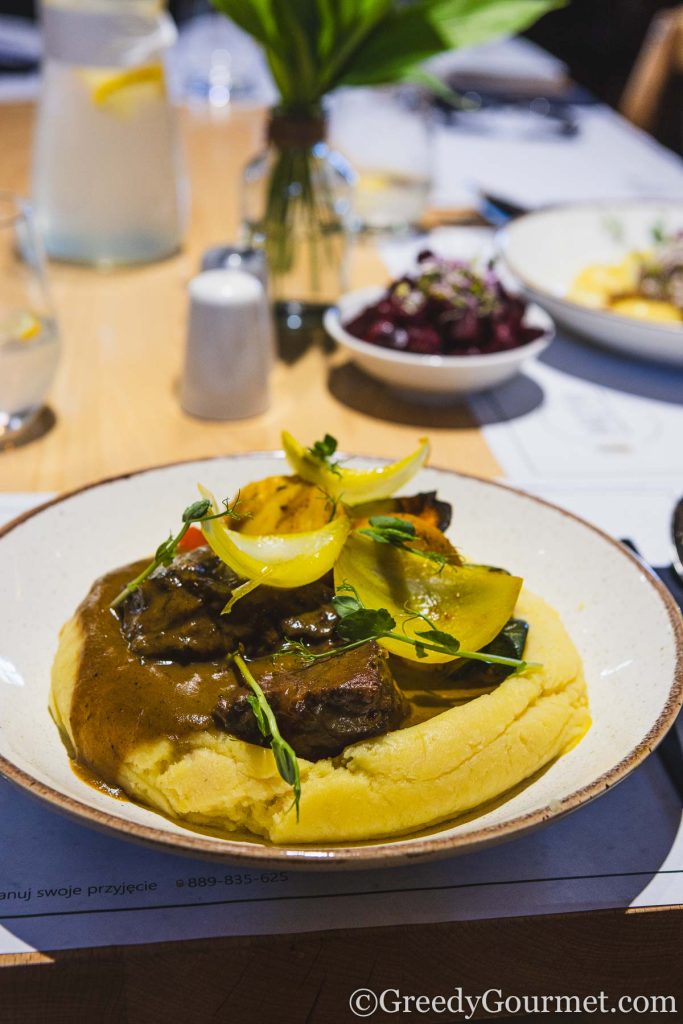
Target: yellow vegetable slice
<point>283,504</point>
<point>470,602</point>
<point>354,486</point>
<point>281,560</point>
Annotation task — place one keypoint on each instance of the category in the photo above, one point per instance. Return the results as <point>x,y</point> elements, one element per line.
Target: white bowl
<point>421,376</point>
<point>625,624</point>
<point>545,250</point>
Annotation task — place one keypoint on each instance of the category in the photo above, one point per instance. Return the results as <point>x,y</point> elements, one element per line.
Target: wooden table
<point>115,397</point>
<point>116,410</point>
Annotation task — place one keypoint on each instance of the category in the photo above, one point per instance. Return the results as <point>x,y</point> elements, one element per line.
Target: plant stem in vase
<point>296,201</point>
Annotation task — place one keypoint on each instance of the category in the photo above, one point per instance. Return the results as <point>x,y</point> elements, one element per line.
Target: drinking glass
<point>386,135</point>
<point>29,342</point>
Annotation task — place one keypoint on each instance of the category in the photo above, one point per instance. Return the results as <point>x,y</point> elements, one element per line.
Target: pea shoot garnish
<point>359,625</point>
<point>399,532</point>
<point>285,758</point>
<point>197,512</point>
<point>323,451</point>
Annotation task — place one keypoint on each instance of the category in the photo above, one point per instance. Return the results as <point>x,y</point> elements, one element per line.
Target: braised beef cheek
<point>173,629</point>
<point>176,613</point>
<point>323,708</point>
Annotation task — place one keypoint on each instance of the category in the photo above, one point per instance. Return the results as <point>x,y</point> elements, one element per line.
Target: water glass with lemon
<point>29,344</point>
<point>107,175</point>
<point>387,136</point>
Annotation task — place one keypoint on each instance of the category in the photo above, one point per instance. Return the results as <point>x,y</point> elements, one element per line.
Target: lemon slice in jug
<point>122,90</point>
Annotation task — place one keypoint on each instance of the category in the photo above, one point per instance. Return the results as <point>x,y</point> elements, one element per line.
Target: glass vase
<point>296,206</point>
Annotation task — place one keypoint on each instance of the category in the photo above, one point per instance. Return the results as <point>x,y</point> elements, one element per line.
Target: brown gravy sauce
<point>121,701</point>
<point>89,777</point>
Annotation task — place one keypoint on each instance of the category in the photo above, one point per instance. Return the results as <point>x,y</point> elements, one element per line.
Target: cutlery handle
<point>677,537</point>
<point>670,750</point>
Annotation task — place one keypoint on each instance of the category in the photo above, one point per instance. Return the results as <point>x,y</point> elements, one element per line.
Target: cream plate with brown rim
<point>626,626</point>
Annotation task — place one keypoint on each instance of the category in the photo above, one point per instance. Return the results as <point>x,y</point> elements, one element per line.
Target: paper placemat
<point>63,885</point>
<point>596,433</point>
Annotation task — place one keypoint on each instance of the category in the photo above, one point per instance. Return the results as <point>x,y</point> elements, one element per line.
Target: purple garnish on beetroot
<point>446,308</point>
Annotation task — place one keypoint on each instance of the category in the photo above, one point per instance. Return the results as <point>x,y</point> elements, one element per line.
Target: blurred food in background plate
<point>610,271</point>
<point>645,285</point>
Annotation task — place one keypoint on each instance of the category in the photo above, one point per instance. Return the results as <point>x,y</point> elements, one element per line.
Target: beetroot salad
<point>447,308</point>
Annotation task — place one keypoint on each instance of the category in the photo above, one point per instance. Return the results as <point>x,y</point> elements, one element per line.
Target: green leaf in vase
<point>356,21</point>
<point>312,46</point>
<point>406,38</point>
<point>468,22</point>
<point>255,17</point>
<point>297,28</point>
<point>417,31</point>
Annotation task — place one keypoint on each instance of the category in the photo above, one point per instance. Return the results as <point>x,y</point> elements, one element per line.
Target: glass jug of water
<point>107,181</point>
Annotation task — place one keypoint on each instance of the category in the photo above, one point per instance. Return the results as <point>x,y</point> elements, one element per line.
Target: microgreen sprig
<point>285,758</point>
<point>323,451</point>
<point>359,625</point>
<point>658,232</point>
<point>197,512</point>
<point>397,532</point>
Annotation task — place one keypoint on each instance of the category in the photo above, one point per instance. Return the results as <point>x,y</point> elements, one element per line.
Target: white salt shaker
<point>230,348</point>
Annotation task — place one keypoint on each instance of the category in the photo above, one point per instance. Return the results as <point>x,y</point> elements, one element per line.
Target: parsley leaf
<point>359,625</point>
<point>444,640</point>
<point>365,624</point>
<point>323,452</point>
<point>285,757</point>
<point>397,532</point>
<point>197,512</point>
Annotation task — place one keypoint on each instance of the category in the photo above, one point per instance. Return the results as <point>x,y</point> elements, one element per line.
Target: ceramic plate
<point>545,250</point>
<point>626,626</point>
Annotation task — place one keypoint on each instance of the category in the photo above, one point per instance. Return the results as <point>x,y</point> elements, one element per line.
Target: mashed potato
<point>406,780</point>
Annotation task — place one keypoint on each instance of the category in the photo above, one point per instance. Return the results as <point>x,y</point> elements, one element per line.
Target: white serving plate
<point>625,624</point>
<point>423,377</point>
<point>545,251</point>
